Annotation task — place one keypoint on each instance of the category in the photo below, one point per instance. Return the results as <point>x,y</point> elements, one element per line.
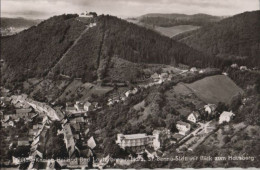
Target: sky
<point>42,9</point>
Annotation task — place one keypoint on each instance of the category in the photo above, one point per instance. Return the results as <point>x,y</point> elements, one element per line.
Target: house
<point>234,65</point>
<point>134,91</point>
<point>210,108</point>
<point>242,68</point>
<point>58,114</point>
<point>91,143</point>
<point>164,75</point>
<point>75,126</point>
<point>23,112</point>
<point>6,118</point>
<point>193,69</point>
<point>225,117</point>
<point>11,123</point>
<point>79,105</point>
<point>23,142</point>
<point>74,111</point>
<point>194,117</point>
<point>155,77</point>
<point>36,154</point>
<point>77,120</point>
<point>224,73</point>
<point>183,127</point>
<point>69,140</point>
<point>92,25</point>
<point>86,106</point>
<point>156,139</point>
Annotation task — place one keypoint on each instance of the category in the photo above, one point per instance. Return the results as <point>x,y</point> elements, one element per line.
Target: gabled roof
<point>196,114</point>
<point>135,136</point>
<point>183,123</point>
<point>227,114</point>
<point>91,143</point>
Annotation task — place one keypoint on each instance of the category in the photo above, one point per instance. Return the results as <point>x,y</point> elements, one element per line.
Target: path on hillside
<point>68,50</point>
<point>100,52</point>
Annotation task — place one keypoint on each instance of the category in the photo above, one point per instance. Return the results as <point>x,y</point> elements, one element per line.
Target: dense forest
<point>236,38</point>
<point>169,20</point>
<point>31,52</point>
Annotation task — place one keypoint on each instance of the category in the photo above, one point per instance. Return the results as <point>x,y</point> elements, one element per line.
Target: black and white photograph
<point>130,84</point>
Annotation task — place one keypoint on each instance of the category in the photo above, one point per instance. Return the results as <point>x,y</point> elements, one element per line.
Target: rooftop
<point>135,136</point>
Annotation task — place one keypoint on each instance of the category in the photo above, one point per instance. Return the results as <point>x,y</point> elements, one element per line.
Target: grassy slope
<point>175,30</point>
<point>215,89</point>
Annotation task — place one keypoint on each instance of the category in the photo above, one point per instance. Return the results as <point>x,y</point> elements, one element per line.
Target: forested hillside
<point>169,20</point>
<point>42,47</point>
<point>236,38</point>
<point>32,52</point>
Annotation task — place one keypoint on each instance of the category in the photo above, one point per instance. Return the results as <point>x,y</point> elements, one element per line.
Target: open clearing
<point>215,89</point>
<point>175,30</point>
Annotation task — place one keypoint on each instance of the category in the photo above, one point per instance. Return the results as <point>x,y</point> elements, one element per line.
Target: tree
<point>226,139</point>
<point>221,107</point>
<point>236,101</point>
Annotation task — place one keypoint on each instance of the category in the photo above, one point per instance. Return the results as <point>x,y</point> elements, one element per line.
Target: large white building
<point>138,142</point>
<point>225,117</point>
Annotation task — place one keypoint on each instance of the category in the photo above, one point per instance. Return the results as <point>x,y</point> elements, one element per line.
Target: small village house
<point>234,65</point>
<point>91,143</point>
<point>194,117</point>
<point>193,69</point>
<point>225,117</point>
<point>183,127</point>
<point>210,108</point>
<point>87,106</point>
<point>155,77</point>
<point>243,68</point>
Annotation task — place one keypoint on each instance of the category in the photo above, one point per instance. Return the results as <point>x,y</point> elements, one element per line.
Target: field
<point>215,89</point>
<point>175,30</point>
<point>167,31</point>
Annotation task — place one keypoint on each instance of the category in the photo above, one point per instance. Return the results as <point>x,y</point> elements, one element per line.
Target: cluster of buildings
<point>139,142</point>
<point>74,128</point>
<point>81,108</point>
<point>235,66</point>
<point>117,99</point>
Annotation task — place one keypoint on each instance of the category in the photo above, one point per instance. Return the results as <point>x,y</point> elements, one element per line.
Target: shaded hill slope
<point>32,52</point>
<point>235,38</point>
<point>169,20</point>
